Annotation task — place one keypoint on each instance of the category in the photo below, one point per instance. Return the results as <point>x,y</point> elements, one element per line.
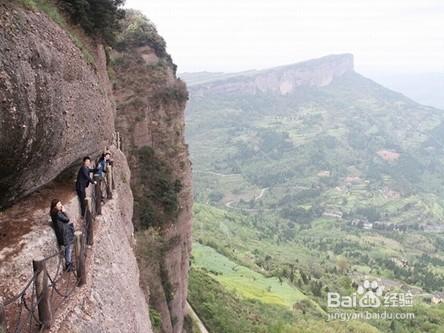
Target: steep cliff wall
<point>112,300</point>
<point>150,115</point>
<point>280,80</point>
<point>55,107</point>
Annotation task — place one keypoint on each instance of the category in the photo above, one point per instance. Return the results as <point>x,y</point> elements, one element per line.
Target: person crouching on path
<point>64,230</point>
<point>82,182</point>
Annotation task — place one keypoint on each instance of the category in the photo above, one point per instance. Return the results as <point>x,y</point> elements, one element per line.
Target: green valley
<point>311,179</point>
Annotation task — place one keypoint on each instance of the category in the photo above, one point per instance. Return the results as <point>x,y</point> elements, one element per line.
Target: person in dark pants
<point>83,180</point>
<point>63,229</point>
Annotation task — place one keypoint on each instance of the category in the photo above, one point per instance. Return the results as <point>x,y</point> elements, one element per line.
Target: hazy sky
<point>233,35</point>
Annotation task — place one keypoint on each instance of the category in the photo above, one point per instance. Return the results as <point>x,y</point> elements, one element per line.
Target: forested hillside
<point>316,178</point>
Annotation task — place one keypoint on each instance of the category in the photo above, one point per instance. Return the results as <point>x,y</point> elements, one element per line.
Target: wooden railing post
<point>109,182</point>
<point>80,258</point>
<point>98,192</point>
<point>89,223</point>
<point>118,141</point>
<point>113,187</point>
<point>42,293</point>
<point>88,204</point>
<point>2,317</point>
<point>77,246</point>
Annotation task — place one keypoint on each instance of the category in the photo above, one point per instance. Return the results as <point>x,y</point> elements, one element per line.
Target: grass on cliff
<point>155,319</point>
<point>54,13</point>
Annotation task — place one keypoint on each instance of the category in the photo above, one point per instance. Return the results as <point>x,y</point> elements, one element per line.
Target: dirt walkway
<point>32,211</point>
<point>26,233</point>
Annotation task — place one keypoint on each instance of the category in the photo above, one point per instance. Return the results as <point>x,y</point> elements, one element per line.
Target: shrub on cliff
<point>137,30</point>
<point>97,17</point>
<point>178,92</point>
<point>155,190</point>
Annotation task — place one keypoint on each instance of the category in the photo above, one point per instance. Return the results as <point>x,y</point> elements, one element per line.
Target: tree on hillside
<point>291,273</point>
<point>342,264</point>
<point>304,277</point>
<point>96,17</point>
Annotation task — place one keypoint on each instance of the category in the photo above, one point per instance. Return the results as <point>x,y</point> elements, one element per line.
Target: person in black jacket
<point>63,229</point>
<point>83,180</point>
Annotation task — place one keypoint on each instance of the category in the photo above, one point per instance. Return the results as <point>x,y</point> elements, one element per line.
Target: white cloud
<point>229,35</point>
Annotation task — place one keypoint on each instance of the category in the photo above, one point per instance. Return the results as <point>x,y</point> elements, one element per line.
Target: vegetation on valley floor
<point>353,191</point>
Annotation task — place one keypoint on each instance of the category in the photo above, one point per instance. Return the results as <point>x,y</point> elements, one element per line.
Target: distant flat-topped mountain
<point>280,80</point>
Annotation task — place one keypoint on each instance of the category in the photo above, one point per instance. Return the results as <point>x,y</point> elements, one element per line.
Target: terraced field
<point>244,281</point>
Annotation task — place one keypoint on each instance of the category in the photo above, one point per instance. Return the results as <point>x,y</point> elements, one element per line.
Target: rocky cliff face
<point>55,107</point>
<point>281,80</point>
<point>150,115</point>
<point>113,300</point>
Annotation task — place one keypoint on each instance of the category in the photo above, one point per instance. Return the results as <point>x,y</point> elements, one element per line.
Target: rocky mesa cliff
<point>281,80</point>
<point>62,95</point>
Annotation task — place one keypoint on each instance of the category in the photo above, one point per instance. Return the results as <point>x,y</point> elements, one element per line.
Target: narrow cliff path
<point>111,300</point>
<point>196,318</point>
<point>17,220</point>
<point>25,233</point>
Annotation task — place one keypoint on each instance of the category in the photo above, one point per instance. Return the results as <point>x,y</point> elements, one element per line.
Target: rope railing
<point>32,309</point>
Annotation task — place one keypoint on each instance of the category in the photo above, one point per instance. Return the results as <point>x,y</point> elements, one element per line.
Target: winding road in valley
<point>261,194</point>
<point>229,204</point>
<point>217,173</point>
